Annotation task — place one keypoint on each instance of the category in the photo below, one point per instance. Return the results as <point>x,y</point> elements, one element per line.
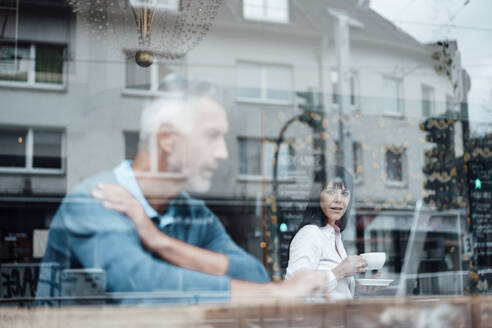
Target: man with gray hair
<point>139,225</point>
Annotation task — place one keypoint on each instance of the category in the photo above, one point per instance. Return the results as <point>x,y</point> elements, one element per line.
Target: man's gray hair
<point>176,104</point>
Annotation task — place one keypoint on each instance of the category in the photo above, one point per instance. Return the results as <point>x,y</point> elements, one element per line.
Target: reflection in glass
<point>266,10</point>
<point>279,83</point>
<point>13,147</point>
<point>392,96</point>
<point>256,158</point>
<point>47,146</point>
<point>137,77</point>
<point>394,164</point>
<point>249,81</point>
<point>131,144</point>
<point>14,63</point>
<point>249,157</point>
<point>427,101</point>
<point>49,64</point>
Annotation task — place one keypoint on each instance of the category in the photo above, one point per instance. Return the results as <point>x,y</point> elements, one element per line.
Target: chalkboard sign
<point>20,280</point>
<point>292,212</point>
<point>480,198</point>
<point>292,203</point>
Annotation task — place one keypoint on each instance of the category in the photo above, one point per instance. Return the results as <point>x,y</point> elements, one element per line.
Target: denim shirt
<point>83,234</point>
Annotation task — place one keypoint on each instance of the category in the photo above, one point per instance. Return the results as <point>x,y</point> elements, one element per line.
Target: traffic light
<point>309,104</point>
<point>440,164</point>
<point>283,227</point>
<point>285,234</point>
<point>313,115</point>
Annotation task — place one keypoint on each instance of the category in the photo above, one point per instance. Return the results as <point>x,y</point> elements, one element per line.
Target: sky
<point>467,21</point>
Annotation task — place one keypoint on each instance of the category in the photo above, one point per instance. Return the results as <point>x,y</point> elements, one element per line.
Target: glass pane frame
<point>428,101</point>
<point>154,72</point>
<point>394,105</point>
<point>403,166</point>
<point>32,80</point>
<point>267,94</point>
<point>264,160</point>
<point>29,166</point>
<point>267,11</point>
<point>354,89</point>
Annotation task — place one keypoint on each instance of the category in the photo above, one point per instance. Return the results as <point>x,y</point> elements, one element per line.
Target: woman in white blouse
<point>317,245</point>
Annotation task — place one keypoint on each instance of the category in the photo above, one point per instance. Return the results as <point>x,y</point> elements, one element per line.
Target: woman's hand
<point>115,197</point>
<point>351,265</point>
<point>369,289</point>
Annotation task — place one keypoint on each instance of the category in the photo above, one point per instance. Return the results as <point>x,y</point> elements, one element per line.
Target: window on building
<point>393,102</point>
<point>357,161</point>
<point>149,79</point>
<point>428,101</point>
<point>450,103</point>
<point>29,149</point>
<point>264,83</point>
<point>131,144</point>
<point>173,5</point>
<point>13,147</point>
<point>353,80</point>
<point>256,158</point>
<point>32,64</point>
<point>47,147</point>
<point>267,10</point>
<point>338,153</point>
<point>395,158</point>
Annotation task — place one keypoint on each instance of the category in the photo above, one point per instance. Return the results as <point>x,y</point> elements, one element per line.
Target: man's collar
<point>126,178</point>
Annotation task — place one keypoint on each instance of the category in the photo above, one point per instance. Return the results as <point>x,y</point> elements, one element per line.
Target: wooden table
<point>435,313</point>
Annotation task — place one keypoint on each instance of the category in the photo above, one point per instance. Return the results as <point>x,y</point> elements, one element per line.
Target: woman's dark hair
<point>314,214</point>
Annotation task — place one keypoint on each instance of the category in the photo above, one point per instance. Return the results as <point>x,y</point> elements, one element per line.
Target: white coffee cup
<point>375,261</point>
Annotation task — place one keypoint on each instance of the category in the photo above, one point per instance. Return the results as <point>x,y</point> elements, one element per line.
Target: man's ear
<point>167,137</point>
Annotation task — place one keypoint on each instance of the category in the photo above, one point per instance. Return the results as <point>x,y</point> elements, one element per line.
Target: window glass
<point>250,157</point>
<point>352,85</point>
<point>137,77</point>
<point>131,144</point>
<point>13,147</point>
<point>415,143</point>
<point>161,4</point>
<point>277,10</point>
<point>254,9</point>
<point>352,90</point>
<point>47,147</point>
<point>264,82</point>
<point>256,158</point>
<point>267,10</point>
<point>249,81</point>
<point>450,103</point>
<point>394,164</point>
<point>357,160</point>
<point>49,64</point>
<point>428,101</point>
<point>14,62</point>
<point>392,89</point>
<point>334,86</point>
<point>284,159</point>
<point>279,83</point>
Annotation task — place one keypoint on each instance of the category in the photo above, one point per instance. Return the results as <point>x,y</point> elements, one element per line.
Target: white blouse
<point>315,248</point>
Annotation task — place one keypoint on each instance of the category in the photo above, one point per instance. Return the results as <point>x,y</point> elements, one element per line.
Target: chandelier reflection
<point>149,28</point>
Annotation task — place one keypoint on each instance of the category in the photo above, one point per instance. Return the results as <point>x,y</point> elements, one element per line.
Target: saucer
<point>375,282</point>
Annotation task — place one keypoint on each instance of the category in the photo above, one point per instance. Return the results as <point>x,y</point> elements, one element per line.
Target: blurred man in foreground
<point>173,242</point>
